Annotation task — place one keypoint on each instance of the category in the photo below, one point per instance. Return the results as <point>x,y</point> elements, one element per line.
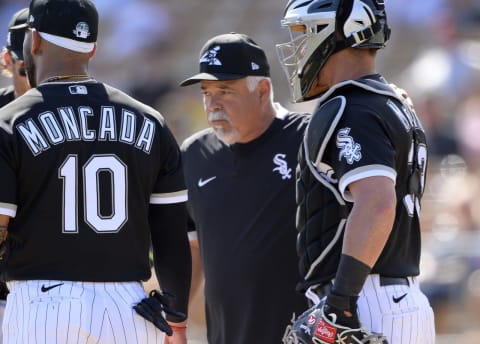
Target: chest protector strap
<point>323,124</point>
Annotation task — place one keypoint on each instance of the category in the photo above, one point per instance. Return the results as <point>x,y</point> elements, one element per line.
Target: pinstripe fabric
<point>409,321</point>
<point>76,313</point>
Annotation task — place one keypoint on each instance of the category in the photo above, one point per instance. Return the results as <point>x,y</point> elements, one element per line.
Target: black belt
<point>384,281</point>
<point>324,288</point>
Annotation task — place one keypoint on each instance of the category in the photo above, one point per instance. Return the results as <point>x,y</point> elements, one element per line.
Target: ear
<point>264,88</point>
<point>36,42</point>
<point>6,57</point>
<point>94,50</point>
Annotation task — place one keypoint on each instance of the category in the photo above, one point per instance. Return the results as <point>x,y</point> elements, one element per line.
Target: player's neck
<point>351,64</point>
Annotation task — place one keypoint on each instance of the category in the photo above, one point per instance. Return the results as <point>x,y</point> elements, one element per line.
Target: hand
<point>154,307</point>
<point>315,326</point>
<point>402,93</point>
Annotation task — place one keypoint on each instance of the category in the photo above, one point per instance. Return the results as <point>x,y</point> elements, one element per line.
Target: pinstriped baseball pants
<point>402,313</point>
<point>49,312</point>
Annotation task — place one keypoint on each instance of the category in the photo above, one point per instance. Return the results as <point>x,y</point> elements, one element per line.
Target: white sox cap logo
<point>210,57</point>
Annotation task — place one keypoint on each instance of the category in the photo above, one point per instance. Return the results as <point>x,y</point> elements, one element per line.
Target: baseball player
<point>361,177</point>
<point>90,179</point>
<point>240,175</point>
<point>11,62</point>
<point>12,58</point>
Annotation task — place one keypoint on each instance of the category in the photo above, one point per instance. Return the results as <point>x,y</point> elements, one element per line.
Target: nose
<point>212,104</point>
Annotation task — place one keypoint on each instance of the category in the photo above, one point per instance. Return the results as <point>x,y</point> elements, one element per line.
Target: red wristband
<point>178,328</point>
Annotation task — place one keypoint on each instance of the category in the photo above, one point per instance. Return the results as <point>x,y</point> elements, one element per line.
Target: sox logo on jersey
<point>348,147</point>
<point>282,166</point>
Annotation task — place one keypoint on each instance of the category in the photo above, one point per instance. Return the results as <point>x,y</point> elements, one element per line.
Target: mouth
<point>218,122</point>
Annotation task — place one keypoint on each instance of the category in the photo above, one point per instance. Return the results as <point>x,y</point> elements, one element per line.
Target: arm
<point>371,219</point>
<point>4,219</point>
<point>197,268</point>
<point>368,228</point>
<point>179,332</point>
<point>172,260</point>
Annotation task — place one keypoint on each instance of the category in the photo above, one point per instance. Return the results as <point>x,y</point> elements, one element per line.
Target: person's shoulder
<point>296,121</point>
<point>121,97</point>
<point>20,105</point>
<point>4,91</point>
<point>372,86</point>
<point>297,117</point>
<point>205,137</point>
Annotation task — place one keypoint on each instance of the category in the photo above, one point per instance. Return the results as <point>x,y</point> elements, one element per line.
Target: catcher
<point>360,180</point>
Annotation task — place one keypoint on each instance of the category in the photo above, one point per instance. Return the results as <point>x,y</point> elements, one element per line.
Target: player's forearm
<point>197,267</point>
<point>172,258</point>
<point>4,220</point>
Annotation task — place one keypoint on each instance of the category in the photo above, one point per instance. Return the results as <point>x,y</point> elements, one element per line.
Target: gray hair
<point>252,82</point>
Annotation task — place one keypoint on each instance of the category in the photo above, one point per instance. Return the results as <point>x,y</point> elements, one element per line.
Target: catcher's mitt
<point>314,327</point>
<point>153,308</point>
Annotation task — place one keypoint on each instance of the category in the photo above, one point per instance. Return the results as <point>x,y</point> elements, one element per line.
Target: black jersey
<point>80,165</point>
<point>242,200</point>
<point>377,135</point>
<point>7,94</point>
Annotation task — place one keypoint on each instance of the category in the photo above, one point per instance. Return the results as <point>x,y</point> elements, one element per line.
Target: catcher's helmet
<point>320,28</point>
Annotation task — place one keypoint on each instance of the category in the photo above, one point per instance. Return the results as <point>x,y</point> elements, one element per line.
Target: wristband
<point>178,328</point>
<point>350,277</point>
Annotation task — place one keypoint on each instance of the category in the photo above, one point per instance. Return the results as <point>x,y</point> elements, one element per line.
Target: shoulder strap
<point>322,124</point>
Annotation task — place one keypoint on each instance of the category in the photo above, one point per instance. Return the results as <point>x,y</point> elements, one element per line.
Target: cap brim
<point>19,26</point>
<point>209,76</point>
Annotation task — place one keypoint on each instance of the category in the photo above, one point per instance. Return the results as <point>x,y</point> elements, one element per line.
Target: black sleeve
<point>171,251</point>
<point>190,222</point>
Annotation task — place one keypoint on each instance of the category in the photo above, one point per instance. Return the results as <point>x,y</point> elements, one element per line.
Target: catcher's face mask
<point>320,28</point>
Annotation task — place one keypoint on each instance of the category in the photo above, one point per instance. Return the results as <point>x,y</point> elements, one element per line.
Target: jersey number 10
<point>100,223</point>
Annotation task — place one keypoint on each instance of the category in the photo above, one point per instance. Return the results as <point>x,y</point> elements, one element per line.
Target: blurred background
<point>146,47</point>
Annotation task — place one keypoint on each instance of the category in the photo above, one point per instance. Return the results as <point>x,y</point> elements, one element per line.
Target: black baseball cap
<point>71,24</point>
<point>228,57</point>
<point>16,33</point>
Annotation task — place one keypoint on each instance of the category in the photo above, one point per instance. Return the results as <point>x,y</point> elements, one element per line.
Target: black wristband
<point>350,277</point>
<point>342,303</point>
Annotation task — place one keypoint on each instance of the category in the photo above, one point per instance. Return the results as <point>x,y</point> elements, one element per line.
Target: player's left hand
<point>314,326</point>
<point>153,308</point>
<point>402,93</point>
